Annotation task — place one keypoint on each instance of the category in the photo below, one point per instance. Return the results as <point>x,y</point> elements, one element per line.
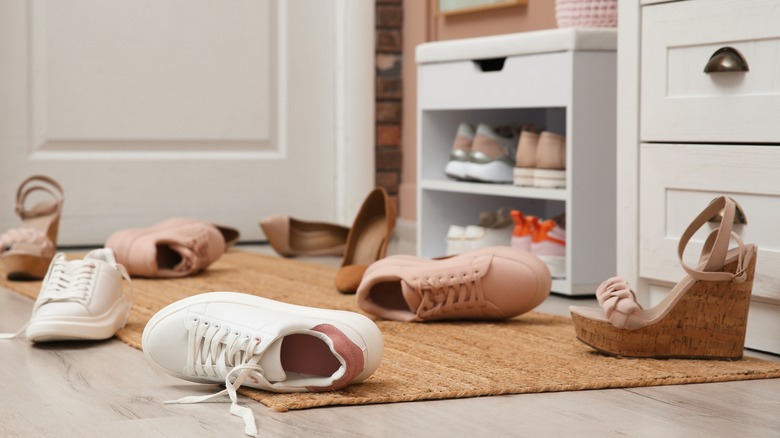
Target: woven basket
<point>586,13</point>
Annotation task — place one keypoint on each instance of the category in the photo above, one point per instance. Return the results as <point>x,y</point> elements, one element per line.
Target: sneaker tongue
<point>271,362</point>
<point>411,295</point>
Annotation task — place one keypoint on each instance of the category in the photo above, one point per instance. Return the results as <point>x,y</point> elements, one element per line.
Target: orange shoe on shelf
<point>523,230</point>
<point>26,252</point>
<point>549,244</point>
<point>703,317</point>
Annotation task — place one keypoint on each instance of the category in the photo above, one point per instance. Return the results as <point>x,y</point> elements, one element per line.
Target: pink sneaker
<point>488,283</point>
<point>549,244</point>
<point>173,248</point>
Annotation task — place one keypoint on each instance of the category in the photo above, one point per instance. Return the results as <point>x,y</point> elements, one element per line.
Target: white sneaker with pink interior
<point>240,339</point>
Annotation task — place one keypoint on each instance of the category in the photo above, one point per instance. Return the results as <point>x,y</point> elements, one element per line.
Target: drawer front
<point>680,102</point>
<point>539,80</point>
<point>678,181</point>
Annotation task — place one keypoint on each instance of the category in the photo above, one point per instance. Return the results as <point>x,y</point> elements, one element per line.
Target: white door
<point>225,111</point>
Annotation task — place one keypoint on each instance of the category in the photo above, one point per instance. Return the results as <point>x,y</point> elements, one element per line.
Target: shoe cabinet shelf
<point>562,80</point>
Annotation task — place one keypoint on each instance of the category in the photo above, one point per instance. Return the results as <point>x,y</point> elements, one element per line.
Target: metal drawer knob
<point>726,59</point>
<point>739,214</point>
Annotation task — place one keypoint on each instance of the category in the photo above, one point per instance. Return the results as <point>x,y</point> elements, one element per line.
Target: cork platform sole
<point>708,322</point>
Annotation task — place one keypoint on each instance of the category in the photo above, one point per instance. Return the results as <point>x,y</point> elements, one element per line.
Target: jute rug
<point>531,353</point>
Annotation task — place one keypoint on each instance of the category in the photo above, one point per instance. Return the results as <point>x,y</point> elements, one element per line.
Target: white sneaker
<point>240,339</point>
<point>455,242</point>
<point>480,237</point>
<point>459,153</point>
<point>79,300</point>
<point>492,157</point>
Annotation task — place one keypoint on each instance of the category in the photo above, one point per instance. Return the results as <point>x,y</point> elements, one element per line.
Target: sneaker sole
<point>556,264</point>
<point>45,329</point>
<point>523,176</point>
<point>493,172</point>
<point>456,169</point>
<point>549,179</point>
<point>361,325</point>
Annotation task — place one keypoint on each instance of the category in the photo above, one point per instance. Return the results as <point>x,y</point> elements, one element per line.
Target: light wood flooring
<point>94,389</point>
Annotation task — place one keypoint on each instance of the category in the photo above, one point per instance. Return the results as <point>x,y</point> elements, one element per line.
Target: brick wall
<point>388,96</point>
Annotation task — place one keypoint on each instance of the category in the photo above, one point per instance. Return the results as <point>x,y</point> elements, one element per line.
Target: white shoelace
<point>68,281</point>
<point>215,351</point>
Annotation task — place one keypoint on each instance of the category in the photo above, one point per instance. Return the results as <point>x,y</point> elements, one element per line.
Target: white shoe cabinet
<point>563,80</point>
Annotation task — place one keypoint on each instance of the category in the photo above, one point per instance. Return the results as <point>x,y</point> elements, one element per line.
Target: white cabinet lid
<point>498,46</point>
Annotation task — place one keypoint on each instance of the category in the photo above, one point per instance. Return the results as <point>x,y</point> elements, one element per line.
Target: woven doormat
<point>531,353</point>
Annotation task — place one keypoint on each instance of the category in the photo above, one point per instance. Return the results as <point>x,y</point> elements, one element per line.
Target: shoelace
<point>214,351</point>
<point>68,281</point>
<point>440,294</point>
<point>194,253</point>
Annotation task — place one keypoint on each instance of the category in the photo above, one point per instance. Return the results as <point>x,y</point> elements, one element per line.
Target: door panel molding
<point>91,130</point>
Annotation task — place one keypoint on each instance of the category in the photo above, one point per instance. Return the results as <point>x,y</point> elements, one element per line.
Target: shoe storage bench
<point>699,135</point>
<point>562,80</point>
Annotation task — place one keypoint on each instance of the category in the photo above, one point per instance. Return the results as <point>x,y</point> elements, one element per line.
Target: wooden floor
<point>88,389</point>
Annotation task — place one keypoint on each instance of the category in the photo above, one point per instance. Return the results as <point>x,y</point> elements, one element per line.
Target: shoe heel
<point>25,266</point>
<point>709,322</point>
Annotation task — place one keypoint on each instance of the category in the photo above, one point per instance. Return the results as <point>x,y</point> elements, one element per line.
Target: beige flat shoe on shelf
<point>703,317</point>
<point>367,241</point>
<point>26,252</point>
<point>292,237</point>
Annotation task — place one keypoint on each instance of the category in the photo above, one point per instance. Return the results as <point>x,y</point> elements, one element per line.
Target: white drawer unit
<point>562,80</point>
<point>712,71</point>
<point>678,180</point>
<point>687,135</point>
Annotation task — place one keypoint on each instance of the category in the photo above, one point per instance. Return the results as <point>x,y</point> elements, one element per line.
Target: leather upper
<point>174,248</point>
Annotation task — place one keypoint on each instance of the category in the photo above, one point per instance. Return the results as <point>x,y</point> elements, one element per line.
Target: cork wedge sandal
<point>703,317</point>
<point>26,252</point>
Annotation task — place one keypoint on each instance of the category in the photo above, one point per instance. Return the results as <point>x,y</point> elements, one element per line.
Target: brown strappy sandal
<point>26,252</point>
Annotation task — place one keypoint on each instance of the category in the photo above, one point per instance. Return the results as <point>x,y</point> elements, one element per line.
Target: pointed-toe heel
<point>703,317</point>
<point>291,237</point>
<point>367,241</point>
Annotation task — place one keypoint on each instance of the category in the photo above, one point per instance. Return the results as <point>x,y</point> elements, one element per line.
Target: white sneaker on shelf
<point>480,237</point>
<point>79,300</point>
<point>455,242</point>
<point>492,157</point>
<point>459,154</point>
<point>240,339</point>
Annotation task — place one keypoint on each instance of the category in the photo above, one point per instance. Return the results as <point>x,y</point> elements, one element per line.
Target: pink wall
<point>420,25</point>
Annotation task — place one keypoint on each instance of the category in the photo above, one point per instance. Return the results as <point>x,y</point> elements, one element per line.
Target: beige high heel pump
<point>367,240</point>
<point>703,317</point>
